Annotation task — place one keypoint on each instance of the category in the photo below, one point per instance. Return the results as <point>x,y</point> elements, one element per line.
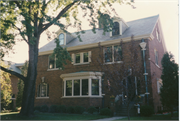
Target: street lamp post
<point>143,46</point>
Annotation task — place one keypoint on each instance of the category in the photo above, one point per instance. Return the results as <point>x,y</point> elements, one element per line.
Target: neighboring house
<point>14,80</point>
<point>80,83</point>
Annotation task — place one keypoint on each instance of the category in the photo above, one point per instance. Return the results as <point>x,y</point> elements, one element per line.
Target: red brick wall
<point>155,70</point>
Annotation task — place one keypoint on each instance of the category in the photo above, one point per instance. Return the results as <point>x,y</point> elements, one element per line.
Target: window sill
<point>82,97</point>
<point>42,97</point>
<point>113,62</point>
<point>13,98</point>
<point>157,65</point>
<point>54,69</point>
<point>81,63</point>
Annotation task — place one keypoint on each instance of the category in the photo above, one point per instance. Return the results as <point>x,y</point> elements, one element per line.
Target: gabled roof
<point>138,27</point>
<point>14,66</point>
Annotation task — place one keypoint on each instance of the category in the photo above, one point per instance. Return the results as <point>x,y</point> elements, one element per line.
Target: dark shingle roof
<point>137,27</point>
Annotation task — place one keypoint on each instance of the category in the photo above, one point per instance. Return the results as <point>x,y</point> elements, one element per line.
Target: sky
<point>167,10</point>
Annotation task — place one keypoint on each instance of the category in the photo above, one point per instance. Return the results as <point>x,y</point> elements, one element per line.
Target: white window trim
<point>64,38</point>
<point>42,97</point>
<point>156,56</point>
<point>52,69</point>
<point>90,77</point>
<point>120,27</point>
<point>81,58</point>
<point>40,91</point>
<point>158,88</point>
<point>112,55</point>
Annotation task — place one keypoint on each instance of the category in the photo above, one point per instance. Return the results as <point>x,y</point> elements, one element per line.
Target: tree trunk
<point>29,85</point>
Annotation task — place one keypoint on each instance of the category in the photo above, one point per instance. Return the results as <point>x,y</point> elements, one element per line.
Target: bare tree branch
<point>58,16</point>
<point>13,73</point>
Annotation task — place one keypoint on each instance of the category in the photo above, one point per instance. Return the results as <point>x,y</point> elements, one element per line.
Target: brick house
<point>80,82</point>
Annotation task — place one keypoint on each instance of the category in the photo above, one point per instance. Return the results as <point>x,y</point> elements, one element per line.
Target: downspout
<point>143,45</point>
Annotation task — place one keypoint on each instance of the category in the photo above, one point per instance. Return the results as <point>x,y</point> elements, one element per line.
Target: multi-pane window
<point>113,53</point>
<point>78,58</point>
<point>61,39</point>
<point>156,57</point>
<point>117,53</point>
<point>76,87</point>
<point>85,57</point>
<point>69,88</point>
<point>108,54</point>
<point>53,63</point>
<point>157,35</point>
<point>81,87</point>
<point>84,86</point>
<point>43,90</point>
<point>115,29</point>
<point>159,85</point>
<point>95,87</point>
<point>81,58</point>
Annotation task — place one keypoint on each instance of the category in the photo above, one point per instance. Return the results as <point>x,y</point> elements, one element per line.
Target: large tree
<point>30,18</point>
<point>170,78</point>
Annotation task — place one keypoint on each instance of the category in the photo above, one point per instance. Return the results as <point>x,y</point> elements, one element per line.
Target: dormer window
<point>115,30</point>
<point>61,39</point>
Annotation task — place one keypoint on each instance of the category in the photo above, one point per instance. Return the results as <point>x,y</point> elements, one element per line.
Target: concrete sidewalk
<point>110,119</point>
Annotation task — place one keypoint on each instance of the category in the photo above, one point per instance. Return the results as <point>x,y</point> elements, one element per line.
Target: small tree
<point>6,90</point>
<point>121,76</point>
<point>21,85</point>
<point>170,77</point>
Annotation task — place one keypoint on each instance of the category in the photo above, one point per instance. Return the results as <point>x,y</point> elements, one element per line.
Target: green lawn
<point>155,117</point>
<point>51,116</point>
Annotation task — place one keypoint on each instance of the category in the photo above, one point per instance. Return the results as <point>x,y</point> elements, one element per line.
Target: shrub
<point>36,111</point>
<point>61,109</point>
<point>37,108</point>
<point>53,109</point>
<point>70,109</point>
<point>44,108</point>
<point>146,110</point>
<point>106,111</point>
<point>79,109</point>
<point>91,110</point>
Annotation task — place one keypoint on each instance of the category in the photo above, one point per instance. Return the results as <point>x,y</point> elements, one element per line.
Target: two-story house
<point>80,83</point>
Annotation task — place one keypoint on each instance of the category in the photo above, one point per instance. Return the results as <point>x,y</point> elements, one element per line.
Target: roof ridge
<point>143,18</point>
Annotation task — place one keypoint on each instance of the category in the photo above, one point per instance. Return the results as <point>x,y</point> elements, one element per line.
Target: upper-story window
<point>115,29</point>
<point>61,39</point>
<point>43,90</point>
<point>157,35</point>
<point>81,58</point>
<point>113,53</point>
<point>156,57</point>
<point>52,63</point>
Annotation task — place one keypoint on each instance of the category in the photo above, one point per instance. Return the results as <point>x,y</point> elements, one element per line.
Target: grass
<point>50,116</point>
<point>155,117</point>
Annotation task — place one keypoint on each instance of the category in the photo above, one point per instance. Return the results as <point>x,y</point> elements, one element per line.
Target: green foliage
<point>53,109</point>
<point>70,109</point>
<point>79,109</point>
<point>91,110</point>
<point>6,89</point>
<point>146,110</point>
<point>106,112</point>
<point>170,77</point>
<point>61,109</point>
<point>44,108</point>
<point>5,111</point>
<point>24,70</point>
<point>37,108</point>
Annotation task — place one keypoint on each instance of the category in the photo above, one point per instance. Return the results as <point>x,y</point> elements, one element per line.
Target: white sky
<point>167,10</point>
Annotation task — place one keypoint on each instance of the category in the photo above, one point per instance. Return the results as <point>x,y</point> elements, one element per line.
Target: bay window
<point>82,85</point>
